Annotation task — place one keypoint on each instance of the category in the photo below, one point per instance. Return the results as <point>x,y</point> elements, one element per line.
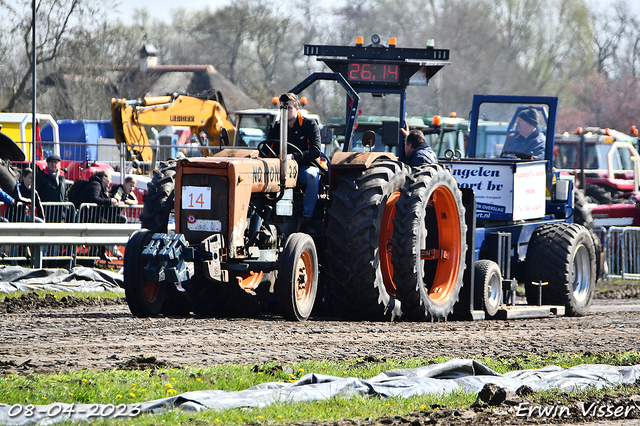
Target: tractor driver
<point>529,142</point>
<point>304,134</point>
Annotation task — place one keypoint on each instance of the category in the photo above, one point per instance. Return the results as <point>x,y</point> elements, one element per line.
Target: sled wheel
<point>566,250</point>
<point>297,283</point>
<point>144,297</point>
<point>359,222</point>
<point>488,286</point>
<point>429,244</point>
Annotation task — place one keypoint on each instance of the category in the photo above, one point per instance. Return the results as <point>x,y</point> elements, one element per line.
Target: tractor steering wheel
<point>265,150</point>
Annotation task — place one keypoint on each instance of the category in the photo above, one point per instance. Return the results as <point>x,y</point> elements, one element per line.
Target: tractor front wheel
<point>297,283</point>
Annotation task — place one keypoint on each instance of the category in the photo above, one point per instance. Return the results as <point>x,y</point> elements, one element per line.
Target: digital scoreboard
<point>373,72</point>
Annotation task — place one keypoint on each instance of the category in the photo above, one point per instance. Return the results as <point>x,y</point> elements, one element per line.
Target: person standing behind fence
<point>124,194</point>
<point>97,192</point>
<point>52,188</point>
<point>22,193</point>
<point>50,184</point>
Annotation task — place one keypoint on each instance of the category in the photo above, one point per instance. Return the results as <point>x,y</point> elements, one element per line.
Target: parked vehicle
<point>605,165</point>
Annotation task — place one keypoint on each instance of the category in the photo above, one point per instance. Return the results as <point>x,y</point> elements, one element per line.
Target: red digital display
<point>373,73</point>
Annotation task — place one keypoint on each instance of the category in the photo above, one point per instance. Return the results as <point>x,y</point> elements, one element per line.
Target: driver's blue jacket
<point>531,147</point>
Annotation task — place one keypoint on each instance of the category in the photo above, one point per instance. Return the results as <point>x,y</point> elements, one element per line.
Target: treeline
<point>590,58</point>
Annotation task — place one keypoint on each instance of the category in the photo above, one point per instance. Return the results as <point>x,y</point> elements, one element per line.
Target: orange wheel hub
<point>450,236</point>
<point>303,280</point>
<point>384,249</point>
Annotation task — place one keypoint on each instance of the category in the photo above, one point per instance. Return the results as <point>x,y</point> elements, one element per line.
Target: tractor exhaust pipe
<point>284,133</point>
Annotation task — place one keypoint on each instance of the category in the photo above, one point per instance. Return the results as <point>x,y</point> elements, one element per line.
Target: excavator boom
<point>201,114</point>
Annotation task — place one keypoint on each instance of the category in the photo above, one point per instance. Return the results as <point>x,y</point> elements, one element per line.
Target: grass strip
<point>99,295</point>
<point>131,386</point>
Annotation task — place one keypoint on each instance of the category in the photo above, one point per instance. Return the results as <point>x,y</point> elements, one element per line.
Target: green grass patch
<point>126,387</point>
<point>615,284</point>
<point>61,294</point>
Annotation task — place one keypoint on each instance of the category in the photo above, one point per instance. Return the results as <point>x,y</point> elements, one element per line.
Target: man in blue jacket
<point>529,142</point>
<point>417,150</point>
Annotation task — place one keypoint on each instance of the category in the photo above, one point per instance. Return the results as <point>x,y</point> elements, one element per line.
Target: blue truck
<point>83,137</point>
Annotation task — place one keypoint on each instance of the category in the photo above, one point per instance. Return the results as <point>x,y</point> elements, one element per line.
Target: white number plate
<point>196,197</point>
<point>205,225</point>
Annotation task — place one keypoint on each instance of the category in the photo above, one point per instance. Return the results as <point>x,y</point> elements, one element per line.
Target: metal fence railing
<point>621,247</point>
<point>67,213</point>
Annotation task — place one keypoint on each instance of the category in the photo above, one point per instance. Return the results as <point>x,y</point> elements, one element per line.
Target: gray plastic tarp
<point>17,278</point>
<point>454,375</point>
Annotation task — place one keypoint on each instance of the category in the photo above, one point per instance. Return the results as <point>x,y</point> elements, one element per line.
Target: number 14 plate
<point>196,197</point>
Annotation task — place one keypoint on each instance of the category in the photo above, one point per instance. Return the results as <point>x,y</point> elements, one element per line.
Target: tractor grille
<point>219,210</point>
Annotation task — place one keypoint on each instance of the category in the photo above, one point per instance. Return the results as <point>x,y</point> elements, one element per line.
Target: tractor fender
<point>358,160</point>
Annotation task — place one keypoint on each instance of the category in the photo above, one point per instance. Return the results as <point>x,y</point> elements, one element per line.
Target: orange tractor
<point>240,243</point>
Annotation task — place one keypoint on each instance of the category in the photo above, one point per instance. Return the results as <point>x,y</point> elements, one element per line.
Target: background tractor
<point>605,165</point>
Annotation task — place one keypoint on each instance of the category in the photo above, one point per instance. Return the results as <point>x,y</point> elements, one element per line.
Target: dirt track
<point>94,337</point>
<point>57,335</point>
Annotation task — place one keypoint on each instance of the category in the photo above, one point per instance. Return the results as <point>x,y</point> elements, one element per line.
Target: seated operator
<point>529,142</point>
<point>303,133</point>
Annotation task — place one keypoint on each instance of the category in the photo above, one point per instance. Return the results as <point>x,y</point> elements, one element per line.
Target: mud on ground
<point>59,335</point>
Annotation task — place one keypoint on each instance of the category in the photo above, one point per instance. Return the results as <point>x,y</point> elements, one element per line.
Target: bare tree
<point>222,36</point>
<point>607,40</point>
<point>55,19</point>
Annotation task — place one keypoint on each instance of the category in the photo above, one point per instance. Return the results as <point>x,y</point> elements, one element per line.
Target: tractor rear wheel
<point>158,201</point>
<point>359,228</point>
<point>297,283</point>
<point>488,285</point>
<point>429,244</point>
<point>566,250</point>
<point>145,298</point>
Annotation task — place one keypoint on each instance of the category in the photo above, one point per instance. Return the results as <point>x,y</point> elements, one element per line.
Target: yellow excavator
<point>202,113</point>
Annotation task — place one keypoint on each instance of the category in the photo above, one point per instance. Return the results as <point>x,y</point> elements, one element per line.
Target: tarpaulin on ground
<point>15,278</point>
<point>454,375</point>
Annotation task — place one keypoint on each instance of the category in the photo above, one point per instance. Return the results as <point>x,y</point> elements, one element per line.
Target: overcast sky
<point>162,8</point>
